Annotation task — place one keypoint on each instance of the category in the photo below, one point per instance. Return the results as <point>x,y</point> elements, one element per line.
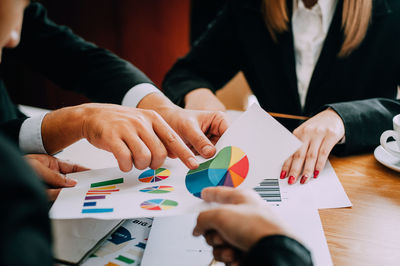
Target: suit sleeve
<point>213,60</point>
<point>73,63</point>
<point>25,228</point>
<point>279,251</point>
<point>364,122</point>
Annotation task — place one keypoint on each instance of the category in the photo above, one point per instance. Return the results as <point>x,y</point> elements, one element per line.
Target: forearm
<point>62,127</point>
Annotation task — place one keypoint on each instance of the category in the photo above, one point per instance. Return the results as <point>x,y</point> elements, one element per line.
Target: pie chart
<point>228,168</point>
<point>157,189</point>
<point>158,204</point>
<point>152,176</point>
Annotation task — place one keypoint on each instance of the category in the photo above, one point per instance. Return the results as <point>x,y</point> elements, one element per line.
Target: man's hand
<point>203,99</point>
<point>52,171</point>
<point>235,227</point>
<point>199,129</point>
<point>134,136</point>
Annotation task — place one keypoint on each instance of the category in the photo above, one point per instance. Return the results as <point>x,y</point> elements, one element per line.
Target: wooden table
<point>369,232</point>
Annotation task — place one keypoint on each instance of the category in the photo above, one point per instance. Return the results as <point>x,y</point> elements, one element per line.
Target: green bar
<point>125,259</point>
<point>108,182</point>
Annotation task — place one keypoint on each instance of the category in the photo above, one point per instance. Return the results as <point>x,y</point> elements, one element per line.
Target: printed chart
<point>158,204</point>
<point>269,190</point>
<point>157,189</point>
<point>100,191</point>
<point>228,168</point>
<point>152,176</point>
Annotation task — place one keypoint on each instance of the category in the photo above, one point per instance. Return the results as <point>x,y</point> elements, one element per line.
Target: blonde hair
<point>356,17</point>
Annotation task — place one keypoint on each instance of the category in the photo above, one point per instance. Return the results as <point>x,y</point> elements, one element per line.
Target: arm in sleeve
<point>71,62</point>
<point>211,63</point>
<point>25,229</point>
<point>278,250</point>
<point>364,122</point>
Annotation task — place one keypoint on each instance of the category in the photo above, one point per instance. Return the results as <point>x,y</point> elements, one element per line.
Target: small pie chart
<point>228,168</point>
<point>152,176</point>
<point>158,204</point>
<point>157,189</point>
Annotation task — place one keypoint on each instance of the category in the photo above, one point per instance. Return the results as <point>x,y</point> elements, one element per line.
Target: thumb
<point>53,178</point>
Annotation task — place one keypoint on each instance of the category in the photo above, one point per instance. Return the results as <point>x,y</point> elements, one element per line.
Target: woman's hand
<point>53,171</point>
<point>235,227</point>
<point>203,99</point>
<point>319,135</point>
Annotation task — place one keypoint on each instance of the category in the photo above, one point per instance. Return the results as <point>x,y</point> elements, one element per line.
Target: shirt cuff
<point>137,93</point>
<point>30,135</point>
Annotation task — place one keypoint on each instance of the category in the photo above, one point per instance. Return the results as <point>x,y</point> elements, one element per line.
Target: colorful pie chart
<point>157,189</point>
<point>158,204</point>
<point>152,176</point>
<point>228,168</point>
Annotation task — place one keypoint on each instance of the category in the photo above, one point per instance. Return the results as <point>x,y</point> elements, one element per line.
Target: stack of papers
<point>250,153</point>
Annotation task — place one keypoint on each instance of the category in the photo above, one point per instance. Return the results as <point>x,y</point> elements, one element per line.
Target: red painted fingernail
<point>316,173</point>
<point>291,180</point>
<point>303,179</point>
<point>283,174</point>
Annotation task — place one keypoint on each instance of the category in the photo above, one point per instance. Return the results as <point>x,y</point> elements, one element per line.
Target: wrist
<point>62,127</point>
<point>159,103</point>
<point>197,94</point>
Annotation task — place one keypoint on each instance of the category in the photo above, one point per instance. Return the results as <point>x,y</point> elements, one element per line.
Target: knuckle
<point>172,138</point>
<point>311,156</point>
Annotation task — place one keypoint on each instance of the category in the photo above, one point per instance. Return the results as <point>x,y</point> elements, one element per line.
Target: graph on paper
<point>98,193</point>
<point>228,168</point>
<point>269,190</point>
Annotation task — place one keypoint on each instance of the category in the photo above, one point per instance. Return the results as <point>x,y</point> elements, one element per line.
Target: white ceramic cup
<point>394,134</point>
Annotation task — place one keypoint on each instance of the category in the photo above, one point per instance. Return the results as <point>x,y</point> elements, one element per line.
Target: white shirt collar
<point>327,8</point>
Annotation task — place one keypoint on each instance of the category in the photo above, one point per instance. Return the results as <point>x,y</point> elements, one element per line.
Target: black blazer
<point>277,250</point>
<point>24,226</point>
<point>361,88</point>
<point>66,59</point>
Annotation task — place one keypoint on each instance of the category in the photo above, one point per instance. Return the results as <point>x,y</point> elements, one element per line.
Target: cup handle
<point>384,138</point>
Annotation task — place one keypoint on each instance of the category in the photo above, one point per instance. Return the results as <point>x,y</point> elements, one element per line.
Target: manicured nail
<point>193,163</point>
<point>71,181</point>
<point>283,174</point>
<point>291,180</point>
<point>316,173</point>
<point>304,179</point>
<point>207,150</point>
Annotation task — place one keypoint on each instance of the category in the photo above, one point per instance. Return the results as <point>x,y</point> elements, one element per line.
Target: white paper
<point>263,140</point>
<point>125,246</point>
<point>73,239</point>
<point>326,190</point>
<point>171,242</point>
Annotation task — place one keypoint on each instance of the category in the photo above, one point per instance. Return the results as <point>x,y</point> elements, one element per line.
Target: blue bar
<point>89,204</point>
<point>97,210</point>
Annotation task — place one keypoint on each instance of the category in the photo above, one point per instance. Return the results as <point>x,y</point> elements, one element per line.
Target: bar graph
<point>269,190</point>
<point>97,194</point>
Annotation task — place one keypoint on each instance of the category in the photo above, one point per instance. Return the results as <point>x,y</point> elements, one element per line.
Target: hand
<point>319,135</point>
<point>234,228</point>
<point>134,136</point>
<point>203,99</point>
<point>199,129</point>
<point>52,171</point>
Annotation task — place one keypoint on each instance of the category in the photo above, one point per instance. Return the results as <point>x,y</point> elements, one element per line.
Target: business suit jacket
<point>66,59</point>
<point>24,225</point>
<point>361,88</point>
<point>277,250</point>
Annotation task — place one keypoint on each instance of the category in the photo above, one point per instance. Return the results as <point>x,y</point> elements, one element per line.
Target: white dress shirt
<point>30,134</point>
<point>310,27</point>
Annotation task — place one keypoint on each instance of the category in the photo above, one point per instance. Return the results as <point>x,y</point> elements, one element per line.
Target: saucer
<point>386,158</point>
